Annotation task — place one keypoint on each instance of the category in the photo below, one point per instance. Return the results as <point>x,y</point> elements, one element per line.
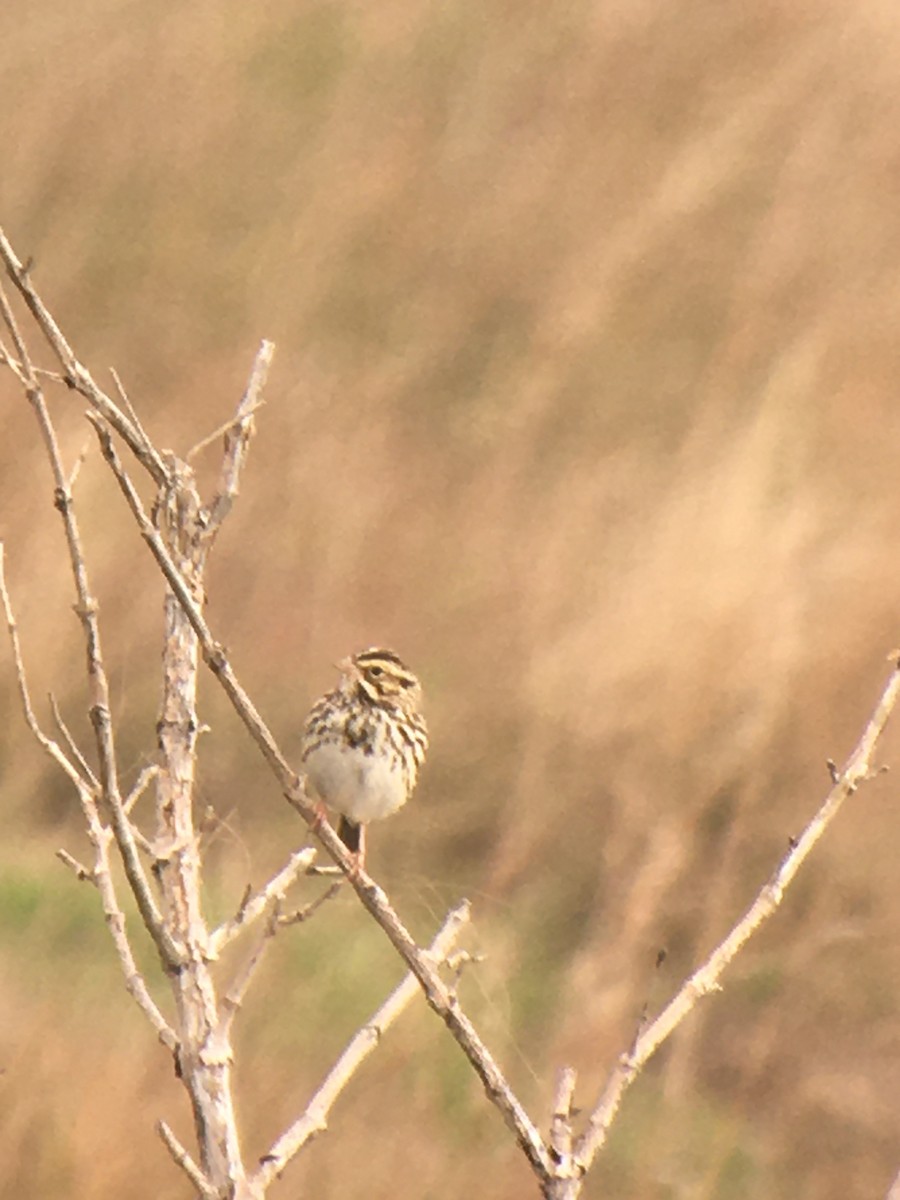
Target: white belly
<point>363,787</point>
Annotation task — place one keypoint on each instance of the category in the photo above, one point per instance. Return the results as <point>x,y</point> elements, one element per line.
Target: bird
<point>363,744</point>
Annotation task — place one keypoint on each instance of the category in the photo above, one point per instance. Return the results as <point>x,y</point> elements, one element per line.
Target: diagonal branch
<point>315,1119</point>
<point>102,877</point>
<point>706,979</point>
<point>76,754</point>
<point>255,904</point>
<point>234,996</point>
<point>77,376</point>
<point>143,781</point>
<point>182,1159</point>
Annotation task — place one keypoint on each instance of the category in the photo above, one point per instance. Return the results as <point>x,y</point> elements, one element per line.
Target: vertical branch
<point>87,612</point>
<point>98,833</point>
<point>205,1058</point>
<point>187,529</point>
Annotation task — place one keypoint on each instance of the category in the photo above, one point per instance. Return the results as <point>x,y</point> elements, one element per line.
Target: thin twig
<point>76,467</point>
<point>237,990</point>
<point>74,374</point>
<point>221,430</point>
<point>135,984</point>
<point>82,873</point>
<point>8,360</point>
<point>706,979</point>
<point>143,781</point>
<point>70,742</point>
<point>132,413</point>
<point>255,904</point>
<point>50,748</point>
<point>238,433</point>
<point>23,368</point>
<point>315,1119</point>
<point>299,915</point>
<point>182,1159</point>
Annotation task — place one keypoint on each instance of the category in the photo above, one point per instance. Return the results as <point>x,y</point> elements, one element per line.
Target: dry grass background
<point>585,399</point>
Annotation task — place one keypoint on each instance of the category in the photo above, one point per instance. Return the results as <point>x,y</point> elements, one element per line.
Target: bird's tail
<point>349,833</point>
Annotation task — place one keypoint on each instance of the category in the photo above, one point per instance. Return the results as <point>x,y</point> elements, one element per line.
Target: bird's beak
<point>344,665</point>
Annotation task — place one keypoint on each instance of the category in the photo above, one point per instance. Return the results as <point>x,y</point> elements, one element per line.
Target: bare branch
<point>8,360</point>
<point>23,367</point>
<point>75,375</point>
<point>561,1122</point>
<point>182,1159</point>
<point>315,1119</point>
<point>254,905</point>
<point>299,915</point>
<point>82,873</point>
<point>130,410</point>
<point>706,979</point>
<point>567,1175</point>
<point>223,429</point>
<point>146,777</point>
<point>135,983</point>
<point>234,996</point>
<point>238,432</point>
<point>86,771</point>
<point>47,744</point>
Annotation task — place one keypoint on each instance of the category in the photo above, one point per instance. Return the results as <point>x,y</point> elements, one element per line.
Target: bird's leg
<point>359,866</point>
<point>358,855</point>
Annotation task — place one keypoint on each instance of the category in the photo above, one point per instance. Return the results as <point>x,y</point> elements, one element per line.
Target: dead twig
<point>74,374</point>
<point>234,996</point>
<point>705,979</point>
<point>299,915</point>
<point>182,1159</point>
<point>254,904</point>
<point>82,873</point>
<point>315,1118</point>
<point>70,742</point>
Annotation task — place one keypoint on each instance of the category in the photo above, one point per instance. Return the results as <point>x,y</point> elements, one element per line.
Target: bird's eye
<point>376,671</point>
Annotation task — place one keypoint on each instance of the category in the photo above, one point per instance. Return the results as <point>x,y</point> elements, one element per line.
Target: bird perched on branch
<point>363,744</point>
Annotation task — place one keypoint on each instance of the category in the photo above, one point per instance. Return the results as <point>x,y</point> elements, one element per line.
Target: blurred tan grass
<point>585,399</point>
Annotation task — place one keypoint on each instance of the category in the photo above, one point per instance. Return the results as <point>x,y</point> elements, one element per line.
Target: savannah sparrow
<point>364,742</point>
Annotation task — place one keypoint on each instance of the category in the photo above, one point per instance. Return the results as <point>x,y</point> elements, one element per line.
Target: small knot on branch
<point>215,657</point>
